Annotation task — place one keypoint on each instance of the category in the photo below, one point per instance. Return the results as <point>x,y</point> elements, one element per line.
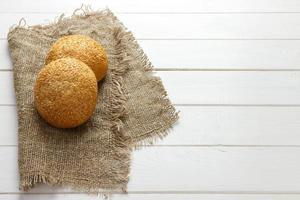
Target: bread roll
<point>82,48</point>
<point>65,93</point>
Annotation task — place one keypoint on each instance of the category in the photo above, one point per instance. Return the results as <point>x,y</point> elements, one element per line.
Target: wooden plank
<point>5,63</point>
<point>223,54</point>
<point>215,169</point>
<point>152,6</point>
<point>235,126</point>
<point>210,54</point>
<point>212,87</point>
<point>213,125</point>
<point>189,26</point>
<point>8,125</point>
<point>194,169</point>
<point>204,197</point>
<point>7,95</point>
<point>152,197</point>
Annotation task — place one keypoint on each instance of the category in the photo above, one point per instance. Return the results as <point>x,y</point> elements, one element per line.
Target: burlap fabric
<point>132,108</point>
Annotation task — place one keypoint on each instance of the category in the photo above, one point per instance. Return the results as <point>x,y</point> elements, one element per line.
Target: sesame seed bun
<point>65,93</point>
<point>82,48</point>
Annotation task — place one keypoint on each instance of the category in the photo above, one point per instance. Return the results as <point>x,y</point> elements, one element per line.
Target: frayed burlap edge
<point>117,109</point>
<point>158,134</point>
<point>155,135</point>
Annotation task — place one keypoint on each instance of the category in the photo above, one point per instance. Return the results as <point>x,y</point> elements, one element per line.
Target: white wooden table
<point>233,69</point>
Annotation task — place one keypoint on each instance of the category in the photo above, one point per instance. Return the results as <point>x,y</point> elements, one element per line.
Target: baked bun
<point>82,48</point>
<point>65,93</point>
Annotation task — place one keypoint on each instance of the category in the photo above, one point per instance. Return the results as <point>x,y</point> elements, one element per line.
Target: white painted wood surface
<point>205,197</point>
<point>186,6</point>
<point>153,197</point>
<point>233,69</point>
<point>189,26</point>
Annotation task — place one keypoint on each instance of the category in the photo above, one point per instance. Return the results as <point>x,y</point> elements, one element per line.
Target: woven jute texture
<point>132,108</point>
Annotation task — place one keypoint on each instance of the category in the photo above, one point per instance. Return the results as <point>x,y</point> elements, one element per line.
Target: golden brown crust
<point>83,48</point>
<point>65,93</point>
